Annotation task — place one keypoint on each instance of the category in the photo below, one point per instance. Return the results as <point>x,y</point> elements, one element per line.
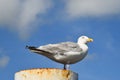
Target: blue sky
<point>40,22</point>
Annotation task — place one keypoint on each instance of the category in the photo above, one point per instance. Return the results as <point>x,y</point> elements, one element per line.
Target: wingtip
<point>30,47</point>
<point>26,47</point>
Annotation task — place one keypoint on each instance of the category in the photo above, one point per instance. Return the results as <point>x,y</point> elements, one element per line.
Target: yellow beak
<point>90,40</point>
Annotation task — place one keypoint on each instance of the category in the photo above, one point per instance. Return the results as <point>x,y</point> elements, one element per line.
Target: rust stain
<point>66,73</point>
<point>46,73</point>
<point>24,75</point>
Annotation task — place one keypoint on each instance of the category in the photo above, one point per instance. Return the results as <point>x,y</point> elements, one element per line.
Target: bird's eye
<point>83,37</point>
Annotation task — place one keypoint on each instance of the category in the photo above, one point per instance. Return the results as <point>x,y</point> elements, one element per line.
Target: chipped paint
<point>46,74</point>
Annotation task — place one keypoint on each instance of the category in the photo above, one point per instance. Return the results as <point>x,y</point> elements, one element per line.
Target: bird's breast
<point>70,57</point>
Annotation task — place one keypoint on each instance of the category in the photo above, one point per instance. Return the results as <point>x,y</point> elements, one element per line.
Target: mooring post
<point>46,74</point>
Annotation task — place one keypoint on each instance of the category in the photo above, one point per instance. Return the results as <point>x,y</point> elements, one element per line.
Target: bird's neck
<point>83,46</point>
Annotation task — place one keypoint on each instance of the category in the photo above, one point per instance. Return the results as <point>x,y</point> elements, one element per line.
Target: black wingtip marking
<point>30,47</point>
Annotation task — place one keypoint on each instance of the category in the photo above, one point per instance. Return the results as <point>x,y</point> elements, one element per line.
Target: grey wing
<point>70,46</point>
<point>61,47</point>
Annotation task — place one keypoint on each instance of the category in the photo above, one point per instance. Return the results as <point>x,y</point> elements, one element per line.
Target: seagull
<point>65,52</point>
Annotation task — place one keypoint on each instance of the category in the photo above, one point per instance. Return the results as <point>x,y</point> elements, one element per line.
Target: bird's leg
<point>66,66</point>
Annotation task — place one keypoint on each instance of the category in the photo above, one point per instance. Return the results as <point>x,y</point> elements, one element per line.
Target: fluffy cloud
<point>8,10</point>
<point>96,8</point>
<point>4,61</point>
<point>20,14</point>
<point>30,10</point>
<point>92,56</point>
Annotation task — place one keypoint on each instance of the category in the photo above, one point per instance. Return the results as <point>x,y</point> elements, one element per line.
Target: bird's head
<point>84,40</point>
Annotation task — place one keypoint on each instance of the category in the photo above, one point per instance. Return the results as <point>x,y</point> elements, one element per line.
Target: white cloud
<point>4,61</point>
<point>92,56</point>
<point>8,10</point>
<point>96,8</point>
<point>20,14</point>
<point>30,10</point>
<point>109,43</point>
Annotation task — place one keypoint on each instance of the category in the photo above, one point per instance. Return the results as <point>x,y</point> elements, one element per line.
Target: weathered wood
<point>46,74</point>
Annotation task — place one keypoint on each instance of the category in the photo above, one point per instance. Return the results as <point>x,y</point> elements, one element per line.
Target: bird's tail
<point>39,51</point>
<point>30,47</point>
